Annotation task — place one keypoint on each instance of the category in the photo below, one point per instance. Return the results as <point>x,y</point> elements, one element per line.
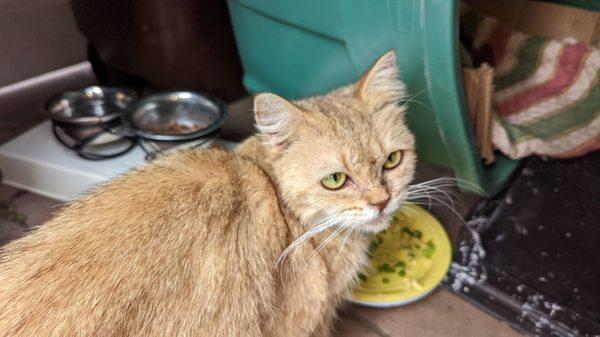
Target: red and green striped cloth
<point>547,93</point>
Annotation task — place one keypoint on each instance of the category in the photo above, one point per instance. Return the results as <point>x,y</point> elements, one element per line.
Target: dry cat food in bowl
<point>176,116</point>
<point>408,260</point>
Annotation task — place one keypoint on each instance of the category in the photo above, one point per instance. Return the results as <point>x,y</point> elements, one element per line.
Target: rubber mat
<point>531,255</point>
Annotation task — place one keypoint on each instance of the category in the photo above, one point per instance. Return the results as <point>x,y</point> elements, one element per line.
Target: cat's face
<point>343,159</point>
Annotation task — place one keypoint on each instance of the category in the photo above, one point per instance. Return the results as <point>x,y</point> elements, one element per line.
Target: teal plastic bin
<point>301,48</point>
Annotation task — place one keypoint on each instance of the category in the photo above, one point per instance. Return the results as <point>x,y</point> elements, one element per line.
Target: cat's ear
<point>380,85</point>
<point>276,118</point>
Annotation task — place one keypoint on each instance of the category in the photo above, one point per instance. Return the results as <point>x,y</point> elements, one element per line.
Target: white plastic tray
<point>35,161</point>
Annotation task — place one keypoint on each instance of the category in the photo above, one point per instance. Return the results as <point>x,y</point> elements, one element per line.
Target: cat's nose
<point>378,197</point>
<point>381,205</point>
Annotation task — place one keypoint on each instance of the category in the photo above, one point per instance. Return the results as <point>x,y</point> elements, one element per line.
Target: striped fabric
<point>547,93</point>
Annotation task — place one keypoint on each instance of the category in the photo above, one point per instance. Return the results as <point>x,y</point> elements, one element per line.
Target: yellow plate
<point>408,260</point>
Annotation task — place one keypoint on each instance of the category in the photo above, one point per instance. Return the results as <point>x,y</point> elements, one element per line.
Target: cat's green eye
<point>334,181</point>
<point>393,160</point>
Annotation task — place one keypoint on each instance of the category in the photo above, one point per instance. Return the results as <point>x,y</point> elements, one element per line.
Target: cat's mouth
<point>381,220</point>
<point>376,225</point>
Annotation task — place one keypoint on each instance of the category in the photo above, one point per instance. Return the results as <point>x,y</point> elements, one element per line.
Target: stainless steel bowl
<point>90,106</point>
<point>172,116</point>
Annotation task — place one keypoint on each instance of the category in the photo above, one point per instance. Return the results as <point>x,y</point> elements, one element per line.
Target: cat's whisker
<point>412,98</point>
<point>324,243</point>
<point>405,102</point>
<point>451,181</point>
<point>440,185</point>
<point>433,199</point>
<point>440,182</point>
<point>409,210</point>
<point>433,195</point>
<point>440,191</point>
<point>417,94</point>
<point>436,185</point>
<point>435,190</point>
<point>328,222</point>
<point>417,201</point>
<point>349,231</point>
<point>426,204</point>
<point>418,189</point>
<point>300,240</point>
<point>334,233</point>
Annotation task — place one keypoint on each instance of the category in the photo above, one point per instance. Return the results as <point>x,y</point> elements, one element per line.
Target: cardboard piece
<point>547,20</point>
<point>479,88</point>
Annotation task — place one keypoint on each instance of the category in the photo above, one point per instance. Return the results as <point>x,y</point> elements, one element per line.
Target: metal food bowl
<point>175,116</point>
<point>102,122</point>
<point>83,121</point>
<point>90,106</point>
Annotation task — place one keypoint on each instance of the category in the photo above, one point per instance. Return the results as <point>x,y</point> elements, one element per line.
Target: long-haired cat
<point>261,242</point>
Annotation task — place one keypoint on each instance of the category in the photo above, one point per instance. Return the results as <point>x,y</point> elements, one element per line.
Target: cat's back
<point>164,250</point>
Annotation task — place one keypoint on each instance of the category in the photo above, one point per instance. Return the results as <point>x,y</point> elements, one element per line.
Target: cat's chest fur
<point>316,278</point>
<point>345,259</point>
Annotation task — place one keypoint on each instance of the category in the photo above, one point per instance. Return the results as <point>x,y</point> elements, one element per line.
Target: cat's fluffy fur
<point>189,244</point>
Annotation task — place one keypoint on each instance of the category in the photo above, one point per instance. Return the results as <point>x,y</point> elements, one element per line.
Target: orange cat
<point>261,242</point>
